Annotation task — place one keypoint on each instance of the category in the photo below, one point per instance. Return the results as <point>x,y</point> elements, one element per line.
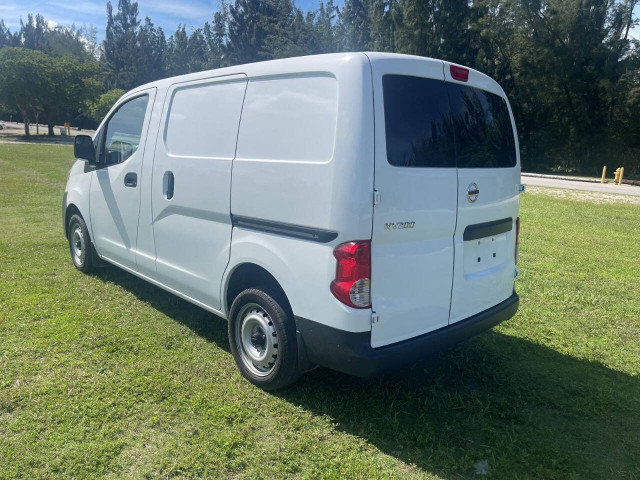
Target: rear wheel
<point>262,338</point>
<point>80,244</point>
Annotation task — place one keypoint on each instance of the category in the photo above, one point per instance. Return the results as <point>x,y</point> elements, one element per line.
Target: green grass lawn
<point>108,376</point>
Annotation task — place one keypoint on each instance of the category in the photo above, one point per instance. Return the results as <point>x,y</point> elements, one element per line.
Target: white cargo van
<point>356,211</point>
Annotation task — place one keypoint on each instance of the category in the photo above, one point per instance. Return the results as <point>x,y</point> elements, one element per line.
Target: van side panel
<point>191,185</point>
<point>304,166</point>
<point>305,152</point>
<point>285,148</point>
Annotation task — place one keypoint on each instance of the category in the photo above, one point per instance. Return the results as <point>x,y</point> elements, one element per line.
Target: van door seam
<point>455,228</point>
<point>373,208</point>
<point>233,161</point>
<point>153,166</point>
<point>144,149</point>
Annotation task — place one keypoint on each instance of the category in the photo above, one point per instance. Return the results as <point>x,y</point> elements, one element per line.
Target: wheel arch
<point>250,275</point>
<point>70,211</point>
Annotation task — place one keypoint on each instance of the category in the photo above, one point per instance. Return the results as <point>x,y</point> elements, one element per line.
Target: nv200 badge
<point>399,225</point>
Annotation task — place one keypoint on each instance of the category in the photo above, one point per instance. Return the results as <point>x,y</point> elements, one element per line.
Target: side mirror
<point>83,149</point>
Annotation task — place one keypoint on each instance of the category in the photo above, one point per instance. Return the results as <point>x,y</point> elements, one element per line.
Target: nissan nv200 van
<point>355,211</point>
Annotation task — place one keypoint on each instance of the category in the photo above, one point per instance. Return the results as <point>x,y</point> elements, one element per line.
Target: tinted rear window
<point>417,122</point>
<point>431,123</point>
<point>482,127</point>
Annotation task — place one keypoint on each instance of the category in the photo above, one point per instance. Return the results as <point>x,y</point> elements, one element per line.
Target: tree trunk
<point>26,127</point>
<point>50,126</point>
<point>37,125</point>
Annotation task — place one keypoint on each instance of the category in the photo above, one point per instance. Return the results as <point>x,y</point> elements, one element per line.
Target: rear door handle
<point>168,185</point>
<point>131,179</point>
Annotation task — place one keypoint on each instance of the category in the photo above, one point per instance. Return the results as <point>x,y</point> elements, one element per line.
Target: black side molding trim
<point>288,230</point>
<point>481,230</point>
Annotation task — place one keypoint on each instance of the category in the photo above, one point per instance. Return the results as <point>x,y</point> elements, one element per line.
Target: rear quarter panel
<point>332,190</point>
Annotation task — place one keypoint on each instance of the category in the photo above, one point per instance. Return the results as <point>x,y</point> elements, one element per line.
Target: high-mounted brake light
<point>517,237</point>
<point>459,73</point>
<point>353,274</point>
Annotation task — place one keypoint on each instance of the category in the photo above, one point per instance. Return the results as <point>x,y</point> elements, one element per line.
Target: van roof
<point>331,62</point>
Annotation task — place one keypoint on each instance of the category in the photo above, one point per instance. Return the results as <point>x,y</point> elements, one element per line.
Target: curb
<point>577,179</point>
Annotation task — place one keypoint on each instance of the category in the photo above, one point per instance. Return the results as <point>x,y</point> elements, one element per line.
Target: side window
<point>123,130</point>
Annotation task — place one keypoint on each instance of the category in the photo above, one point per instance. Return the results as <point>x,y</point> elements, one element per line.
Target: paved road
<point>579,185</point>
<point>14,128</point>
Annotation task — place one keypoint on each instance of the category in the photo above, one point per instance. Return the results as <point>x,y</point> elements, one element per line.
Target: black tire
<point>80,245</point>
<point>272,323</point>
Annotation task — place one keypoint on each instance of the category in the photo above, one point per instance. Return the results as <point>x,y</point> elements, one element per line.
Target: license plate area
<point>483,256</point>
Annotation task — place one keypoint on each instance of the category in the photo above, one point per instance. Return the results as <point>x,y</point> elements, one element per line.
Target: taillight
<point>353,274</point>
<point>517,237</point>
<point>459,73</point>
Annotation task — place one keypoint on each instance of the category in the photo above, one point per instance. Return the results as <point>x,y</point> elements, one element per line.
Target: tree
<point>97,109</point>
<point>121,52</point>
<point>23,80</point>
<point>247,30</point>
<point>324,21</point>
<point>69,41</point>
<point>286,33</point>
<point>7,39</point>
<point>356,27</point>
<point>69,84</point>
<point>215,36</point>
<point>153,49</point>
<point>34,33</point>
<point>178,52</point>
<point>197,56</point>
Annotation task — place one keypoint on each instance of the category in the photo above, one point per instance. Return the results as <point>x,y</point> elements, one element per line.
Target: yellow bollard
<point>604,173</point>
<point>616,176</point>
<point>621,175</point>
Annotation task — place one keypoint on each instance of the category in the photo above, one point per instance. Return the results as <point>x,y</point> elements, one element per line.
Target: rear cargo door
<point>415,206</point>
<point>488,195</point>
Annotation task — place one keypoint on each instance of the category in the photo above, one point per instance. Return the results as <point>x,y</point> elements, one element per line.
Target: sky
<point>165,13</point>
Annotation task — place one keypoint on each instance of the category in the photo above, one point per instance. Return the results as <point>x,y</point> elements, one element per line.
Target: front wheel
<point>80,244</point>
<point>262,337</point>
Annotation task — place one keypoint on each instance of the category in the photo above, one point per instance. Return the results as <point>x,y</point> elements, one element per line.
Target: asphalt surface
<point>14,128</point>
<point>552,182</point>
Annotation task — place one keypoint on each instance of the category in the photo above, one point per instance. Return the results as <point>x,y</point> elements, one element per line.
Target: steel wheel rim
<point>77,244</point>
<point>256,340</point>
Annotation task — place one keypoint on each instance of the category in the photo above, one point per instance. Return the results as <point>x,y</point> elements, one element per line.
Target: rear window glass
<point>417,122</point>
<point>482,126</point>
<point>431,123</point>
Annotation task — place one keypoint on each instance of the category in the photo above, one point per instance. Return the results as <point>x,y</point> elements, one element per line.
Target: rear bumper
<point>351,352</point>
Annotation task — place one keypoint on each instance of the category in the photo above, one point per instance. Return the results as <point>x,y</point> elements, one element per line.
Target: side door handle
<point>131,179</point>
<point>168,185</point>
